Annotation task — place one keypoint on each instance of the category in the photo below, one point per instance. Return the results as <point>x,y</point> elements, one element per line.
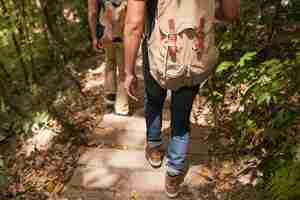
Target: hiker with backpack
<point>106,22</point>
<point>179,53</point>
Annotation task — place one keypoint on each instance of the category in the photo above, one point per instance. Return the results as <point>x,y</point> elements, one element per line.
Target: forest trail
<point>57,141</point>
<point>113,165</point>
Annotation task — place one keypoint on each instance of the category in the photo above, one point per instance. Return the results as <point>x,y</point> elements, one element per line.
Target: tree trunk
<point>16,43</point>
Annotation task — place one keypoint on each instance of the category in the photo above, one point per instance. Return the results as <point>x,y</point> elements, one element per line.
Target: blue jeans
<point>181,106</point>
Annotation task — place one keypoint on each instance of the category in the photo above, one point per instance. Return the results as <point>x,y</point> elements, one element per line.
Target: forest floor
<point>103,157</point>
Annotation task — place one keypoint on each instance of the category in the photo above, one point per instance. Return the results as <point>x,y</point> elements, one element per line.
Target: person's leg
<point>154,101</point>
<point>110,75</point>
<point>181,106</point>
<point>177,166</point>
<point>121,105</point>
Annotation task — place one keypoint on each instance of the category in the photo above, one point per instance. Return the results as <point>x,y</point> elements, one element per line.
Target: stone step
<point>136,140</point>
<point>85,194</point>
<point>136,122</point>
<point>114,158</point>
<point>75,193</point>
<point>130,132</point>
<point>111,169</point>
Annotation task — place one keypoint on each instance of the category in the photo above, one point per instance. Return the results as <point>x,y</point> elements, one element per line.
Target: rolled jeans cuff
<point>174,170</point>
<point>153,144</point>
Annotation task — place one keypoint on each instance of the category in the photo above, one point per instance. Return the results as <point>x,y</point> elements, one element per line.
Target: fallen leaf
<point>134,196</point>
<point>206,173</point>
<point>227,168</point>
<point>58,188</point>
<point>50,187</point>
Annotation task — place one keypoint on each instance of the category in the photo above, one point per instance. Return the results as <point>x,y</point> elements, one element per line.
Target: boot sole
<point>154,164</point>
<point>172,196</point>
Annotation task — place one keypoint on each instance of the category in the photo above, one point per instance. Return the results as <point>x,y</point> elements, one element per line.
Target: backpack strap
<point>101,6</point>
<point>99,27</point>
<point>150,16</point>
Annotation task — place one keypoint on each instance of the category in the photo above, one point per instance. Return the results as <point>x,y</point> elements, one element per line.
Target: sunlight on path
<point>113,166</point>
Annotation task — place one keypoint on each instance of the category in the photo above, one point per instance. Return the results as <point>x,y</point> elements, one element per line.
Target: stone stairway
<point>117,170</point>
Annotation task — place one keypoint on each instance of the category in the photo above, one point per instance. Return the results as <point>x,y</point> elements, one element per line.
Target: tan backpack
<point>181,47</point>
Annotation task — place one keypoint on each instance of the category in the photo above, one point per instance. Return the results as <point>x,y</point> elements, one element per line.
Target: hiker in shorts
<point>179,53</point>
<point>106,22</point>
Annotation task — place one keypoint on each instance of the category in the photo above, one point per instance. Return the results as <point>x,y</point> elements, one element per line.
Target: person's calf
<point>122,102</point>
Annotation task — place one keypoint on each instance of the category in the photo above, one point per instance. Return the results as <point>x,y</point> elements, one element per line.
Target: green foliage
<point>259,66</point>
<point>285,183</point>
<point>244,126</point>
<point>294,10</point>
<point>262,74</point>
<point>223,66</point>
<point>38,120</point>
<point>3,174</point>
<point>36,38</point>
<point>283,119</point>
<point>266,82</point>
<point>81,7</point>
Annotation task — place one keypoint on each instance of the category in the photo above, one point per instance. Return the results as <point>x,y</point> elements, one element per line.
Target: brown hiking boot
<point>155,155</point>
<point>172,185</point>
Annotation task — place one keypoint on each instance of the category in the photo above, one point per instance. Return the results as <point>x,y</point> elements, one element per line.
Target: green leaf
<point>247,57</point>
<point>26,127</point>
<point>1,163</point>
<point>284,118</point>
<point>224,66</point>
<point>264,98</point>
<point>3,179</point>
<point>2,105</point>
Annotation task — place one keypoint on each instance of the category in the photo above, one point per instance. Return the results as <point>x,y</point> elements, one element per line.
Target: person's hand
<point>131,84</point>
<point>96,46</point>
<point>106,40</point>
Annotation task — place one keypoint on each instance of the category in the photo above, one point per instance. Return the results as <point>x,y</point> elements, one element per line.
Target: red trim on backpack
<point>172,38</point>
<point>200,35</point>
